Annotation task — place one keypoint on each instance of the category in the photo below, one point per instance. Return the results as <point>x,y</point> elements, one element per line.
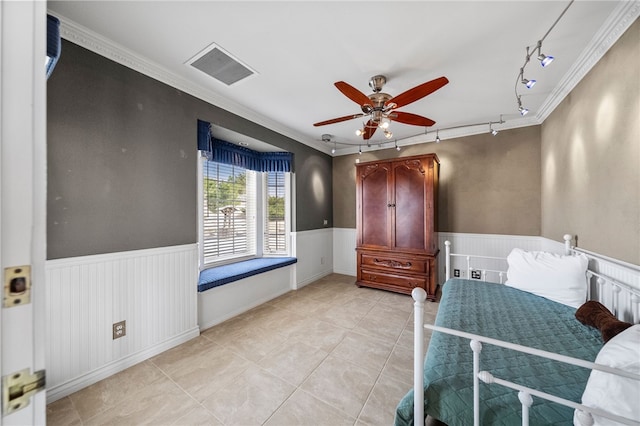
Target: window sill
<point>221,275</point>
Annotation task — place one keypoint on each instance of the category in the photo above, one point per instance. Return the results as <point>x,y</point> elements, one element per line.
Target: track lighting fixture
<point>382,144</point>
<point>545,60</point>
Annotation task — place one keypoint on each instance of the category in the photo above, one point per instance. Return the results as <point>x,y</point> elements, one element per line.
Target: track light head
<point>494,132</point>
<point>523,110</point>
<point>528,83</point>
<point>397,148</point>
<point>545,60</point>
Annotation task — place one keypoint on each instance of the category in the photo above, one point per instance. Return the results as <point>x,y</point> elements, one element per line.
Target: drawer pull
<point>392,264</point>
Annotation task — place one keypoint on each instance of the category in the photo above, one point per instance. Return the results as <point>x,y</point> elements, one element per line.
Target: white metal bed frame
<point>525,394</point>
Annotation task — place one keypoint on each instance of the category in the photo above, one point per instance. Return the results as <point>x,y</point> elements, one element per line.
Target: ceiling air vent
<point>220,65</point>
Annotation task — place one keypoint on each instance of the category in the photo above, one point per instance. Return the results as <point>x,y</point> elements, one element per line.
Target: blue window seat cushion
<point>221,275</point>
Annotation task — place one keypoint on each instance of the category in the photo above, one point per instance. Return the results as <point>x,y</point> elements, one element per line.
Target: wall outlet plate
<point>456,273</point>
<point>476,275</point>
<point>119,329</point>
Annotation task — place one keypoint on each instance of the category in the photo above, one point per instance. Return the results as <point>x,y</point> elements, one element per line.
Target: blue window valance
<point>228,153</point>
<point>54,43</point>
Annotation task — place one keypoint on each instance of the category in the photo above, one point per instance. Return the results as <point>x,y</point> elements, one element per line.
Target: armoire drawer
<point>408,281</point>
<point>394,263</point>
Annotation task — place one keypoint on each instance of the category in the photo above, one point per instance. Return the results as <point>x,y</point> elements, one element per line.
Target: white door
<point>22,202</point>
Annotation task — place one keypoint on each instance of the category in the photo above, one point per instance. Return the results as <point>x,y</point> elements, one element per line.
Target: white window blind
<point>275,235</point>
<point>229,216</point>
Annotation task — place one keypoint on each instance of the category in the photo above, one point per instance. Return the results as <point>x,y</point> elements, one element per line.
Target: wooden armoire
<point>396,221</point>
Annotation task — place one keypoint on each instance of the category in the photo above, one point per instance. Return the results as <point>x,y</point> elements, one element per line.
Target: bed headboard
<point>614,283</point>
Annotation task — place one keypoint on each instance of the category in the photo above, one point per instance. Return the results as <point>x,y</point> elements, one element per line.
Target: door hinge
<point>17,389</point>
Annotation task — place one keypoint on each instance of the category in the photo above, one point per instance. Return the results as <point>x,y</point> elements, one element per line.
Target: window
<point>244,213</point>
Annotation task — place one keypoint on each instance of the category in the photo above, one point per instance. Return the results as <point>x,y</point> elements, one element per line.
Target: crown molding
<point>102,46</point>
<point>618,22</point>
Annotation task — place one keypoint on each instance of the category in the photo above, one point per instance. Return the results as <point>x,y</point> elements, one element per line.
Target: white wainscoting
<point>623,272</point>
<point>495,245</point>
<point>314,250</point>
<point>344,251</point>
<point>153,290</point>
<point>344,245</point>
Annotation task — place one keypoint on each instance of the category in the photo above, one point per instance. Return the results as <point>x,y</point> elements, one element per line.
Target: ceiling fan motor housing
<point>376,82</point>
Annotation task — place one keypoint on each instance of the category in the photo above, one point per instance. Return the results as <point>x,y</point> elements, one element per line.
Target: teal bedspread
<point>508,314</point>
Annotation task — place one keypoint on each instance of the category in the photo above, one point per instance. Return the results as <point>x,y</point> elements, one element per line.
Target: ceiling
<point>298,49</point>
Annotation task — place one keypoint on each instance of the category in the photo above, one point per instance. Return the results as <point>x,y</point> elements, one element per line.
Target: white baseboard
<point>321,274</point>
<point>64,389</point>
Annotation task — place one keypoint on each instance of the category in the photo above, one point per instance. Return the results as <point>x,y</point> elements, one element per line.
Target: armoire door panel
<point>375,208</point>
<point>410,205</point>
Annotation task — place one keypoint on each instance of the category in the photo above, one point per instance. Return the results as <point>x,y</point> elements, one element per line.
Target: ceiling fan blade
<point>369,129</point>
<point>408,118</point>
<point>417,92</point>
<point>338,120</point>
<point>352,93</point>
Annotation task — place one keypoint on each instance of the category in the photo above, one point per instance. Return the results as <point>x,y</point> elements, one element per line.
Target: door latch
<point>17,286</point>
<point>17,389</point>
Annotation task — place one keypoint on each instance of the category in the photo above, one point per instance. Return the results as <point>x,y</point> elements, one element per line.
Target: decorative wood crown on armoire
<point>396,220</point>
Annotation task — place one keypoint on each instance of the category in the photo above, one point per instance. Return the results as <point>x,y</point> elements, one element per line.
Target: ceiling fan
<point>381,107</point>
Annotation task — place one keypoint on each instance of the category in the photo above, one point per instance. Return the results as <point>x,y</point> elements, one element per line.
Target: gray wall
<point>591,157</point>
<point>122,160</point>
<point>488,184</point>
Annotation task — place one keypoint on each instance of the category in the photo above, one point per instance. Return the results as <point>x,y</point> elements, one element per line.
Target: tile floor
<point>328,354</point>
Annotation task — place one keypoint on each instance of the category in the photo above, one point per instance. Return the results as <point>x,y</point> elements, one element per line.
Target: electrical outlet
<point>119,329</point>
<point>456,273</point>
<point>476,275</point>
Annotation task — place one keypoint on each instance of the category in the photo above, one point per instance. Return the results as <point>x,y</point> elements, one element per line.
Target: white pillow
<point>615,394</point>
<point>556,277</point>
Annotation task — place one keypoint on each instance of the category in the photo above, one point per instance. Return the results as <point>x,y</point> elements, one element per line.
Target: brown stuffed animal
<point>597,315</point>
